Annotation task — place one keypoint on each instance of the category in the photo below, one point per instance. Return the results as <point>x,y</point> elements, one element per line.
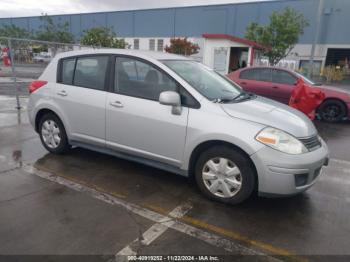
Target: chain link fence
<point>24,60</point>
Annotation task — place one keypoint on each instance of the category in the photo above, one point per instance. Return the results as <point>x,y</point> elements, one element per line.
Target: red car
<point>278,84</point>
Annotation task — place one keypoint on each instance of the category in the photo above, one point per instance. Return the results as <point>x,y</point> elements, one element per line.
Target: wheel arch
<point>41,113</point>
<point>211,143</point>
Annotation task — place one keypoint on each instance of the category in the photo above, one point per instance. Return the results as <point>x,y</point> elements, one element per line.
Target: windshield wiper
<point>240,97</point>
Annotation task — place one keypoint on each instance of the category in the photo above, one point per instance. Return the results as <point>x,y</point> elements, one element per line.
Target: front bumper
<point>283,174</point>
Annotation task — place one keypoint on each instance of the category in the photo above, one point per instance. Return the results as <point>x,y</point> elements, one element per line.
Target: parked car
<point>278,84</point>
<point>173,113</point>
<point>42,58</point>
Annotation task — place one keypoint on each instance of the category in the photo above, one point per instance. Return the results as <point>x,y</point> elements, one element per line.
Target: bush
<point>333,73</point>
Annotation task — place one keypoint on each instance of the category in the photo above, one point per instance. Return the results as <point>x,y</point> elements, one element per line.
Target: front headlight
<point>281,141</point>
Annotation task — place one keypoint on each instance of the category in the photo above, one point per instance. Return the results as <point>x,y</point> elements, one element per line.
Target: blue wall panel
<point>75,27</point>
<point>34,24</point>
<point>93,20</point>
<point>5,21</point>
<point>154,22</point>
<point>21,22</point>
<point>336,23</point>
<point>122,23</point>
<point>245,14</point>
<point>214,20</point>
<point>307,7</point>
<point>194,21</point>
<point>187,22</point>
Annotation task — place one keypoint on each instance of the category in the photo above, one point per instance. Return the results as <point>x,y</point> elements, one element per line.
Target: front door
<point>136,122</point>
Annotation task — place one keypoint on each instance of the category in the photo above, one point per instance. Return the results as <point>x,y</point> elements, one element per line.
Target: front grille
<point>311,143</point>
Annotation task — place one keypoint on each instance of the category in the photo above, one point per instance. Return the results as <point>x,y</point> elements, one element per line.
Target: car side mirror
<point>171,98</point>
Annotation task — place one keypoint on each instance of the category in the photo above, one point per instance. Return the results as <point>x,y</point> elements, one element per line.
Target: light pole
<point>316,36</point>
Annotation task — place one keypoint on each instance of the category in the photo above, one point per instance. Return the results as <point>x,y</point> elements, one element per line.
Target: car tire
<point>53,134</point>
<point>225,174</point>
<point>332,111</point>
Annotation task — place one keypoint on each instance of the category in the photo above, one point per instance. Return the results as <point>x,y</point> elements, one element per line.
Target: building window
<point>137,44</point>
<point>152,44</point>
<point>160,45</point>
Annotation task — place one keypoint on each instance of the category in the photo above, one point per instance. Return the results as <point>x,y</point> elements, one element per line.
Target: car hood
<point>333,88</point>
<point>271,113</point>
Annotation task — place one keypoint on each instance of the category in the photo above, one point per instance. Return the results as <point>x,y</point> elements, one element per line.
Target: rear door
<point>283,84</point>
<point>80,95</point>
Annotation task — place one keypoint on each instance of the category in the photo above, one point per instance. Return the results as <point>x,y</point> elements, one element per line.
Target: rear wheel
<point>225,174</point>
<point>52,134</point>
<point>332,111</point>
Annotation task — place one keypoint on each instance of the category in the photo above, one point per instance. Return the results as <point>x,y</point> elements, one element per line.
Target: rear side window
<point>67,71</point>
<point>283,77</point>
<point>87,71</point>
<point>90,72</point>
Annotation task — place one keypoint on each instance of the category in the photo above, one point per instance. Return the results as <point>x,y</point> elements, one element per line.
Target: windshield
<point>209,83</point>
<point>307,80</point>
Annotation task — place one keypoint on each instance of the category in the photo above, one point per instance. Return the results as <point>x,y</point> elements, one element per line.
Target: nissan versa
<point>176,114</point>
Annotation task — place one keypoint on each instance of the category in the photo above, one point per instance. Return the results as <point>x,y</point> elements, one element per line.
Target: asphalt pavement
<point>87,203</point>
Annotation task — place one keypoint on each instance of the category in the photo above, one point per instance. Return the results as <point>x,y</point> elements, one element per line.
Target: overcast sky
<point>13,8</point>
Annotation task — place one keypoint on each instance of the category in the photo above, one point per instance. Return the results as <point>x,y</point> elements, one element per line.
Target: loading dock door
<point>337,56</point>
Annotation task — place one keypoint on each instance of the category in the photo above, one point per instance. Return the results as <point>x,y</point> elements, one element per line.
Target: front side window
<point>283,77</point>
<point>90,72</point>
<point>139,79</point>
<point>210,84</point>
<point>249,74</point>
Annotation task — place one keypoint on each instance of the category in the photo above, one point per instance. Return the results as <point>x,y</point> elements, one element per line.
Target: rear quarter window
<point>67,71</point>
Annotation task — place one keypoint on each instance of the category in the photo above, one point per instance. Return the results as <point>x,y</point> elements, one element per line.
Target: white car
<point>41,58</point>
<point>176,114</point>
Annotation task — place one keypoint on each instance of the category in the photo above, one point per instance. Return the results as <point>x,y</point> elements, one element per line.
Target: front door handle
<point>275,87</point>
<point>243,83</point>
<point>62,93</point>
<point>116,104</point>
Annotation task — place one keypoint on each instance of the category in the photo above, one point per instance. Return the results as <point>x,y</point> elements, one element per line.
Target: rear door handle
<point>62,93</point>
<point>275,87</point>
<point>116,104</point>
<point>243,83</point>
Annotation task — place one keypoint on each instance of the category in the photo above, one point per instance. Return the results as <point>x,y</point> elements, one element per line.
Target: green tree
<point>54,32</point>
<point>102,36</point>
<point>182,46</point>
<point>280,35</point>
<point>14,31</point>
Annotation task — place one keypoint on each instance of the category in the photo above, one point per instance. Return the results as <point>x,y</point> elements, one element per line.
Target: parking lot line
<point>211,234</point>
<point>207,237</point>
<point>156,230</point>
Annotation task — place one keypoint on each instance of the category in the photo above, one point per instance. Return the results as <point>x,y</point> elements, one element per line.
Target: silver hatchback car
<point>176,114</point>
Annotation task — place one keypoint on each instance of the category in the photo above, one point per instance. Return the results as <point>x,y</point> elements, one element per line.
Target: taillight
<point>35,85</point>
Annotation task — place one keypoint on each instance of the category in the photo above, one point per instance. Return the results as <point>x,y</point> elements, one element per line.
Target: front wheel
<point>332,111</point>
<point>225,174</point>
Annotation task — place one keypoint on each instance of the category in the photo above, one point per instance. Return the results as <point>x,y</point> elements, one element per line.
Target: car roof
<point>138,53</point>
